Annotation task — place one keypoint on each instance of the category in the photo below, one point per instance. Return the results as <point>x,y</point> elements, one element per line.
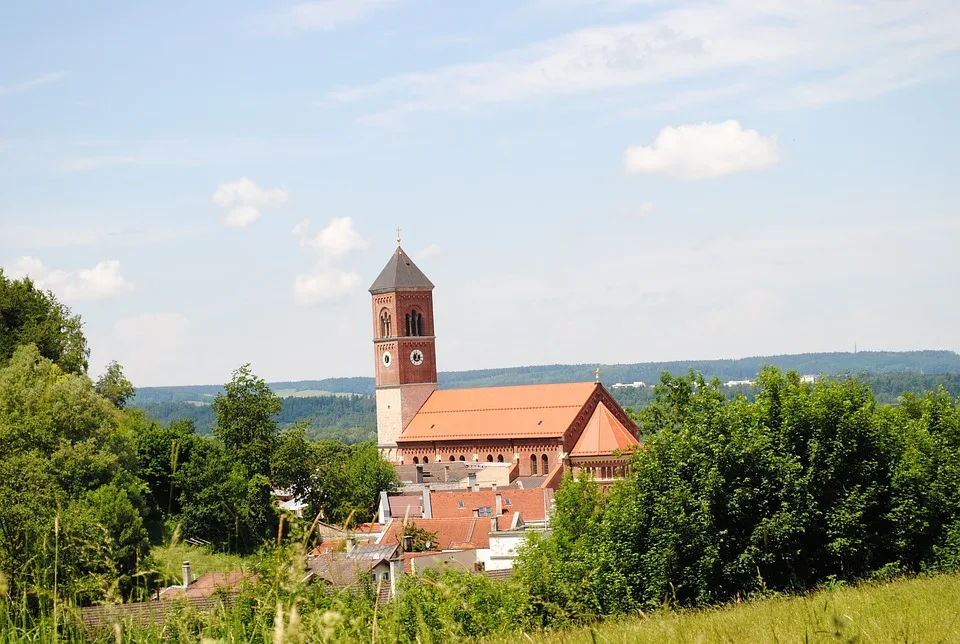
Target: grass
<point>169,560</point>
<point>906,611</point>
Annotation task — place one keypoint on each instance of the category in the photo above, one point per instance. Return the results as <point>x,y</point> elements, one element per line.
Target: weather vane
<point>398,235</point>
<point>598,374</point>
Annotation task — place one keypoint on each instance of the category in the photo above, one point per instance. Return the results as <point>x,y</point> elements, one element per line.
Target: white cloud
<point>324,286</point>
<point>337,240</point>
<point>46,79</point>
<point>884,44</point>
<point>326,15</point>
<point>703,151</point>
<point>430,251</point>
<point>332,244</point>
<point>243,199</point>
<point>102,281</point>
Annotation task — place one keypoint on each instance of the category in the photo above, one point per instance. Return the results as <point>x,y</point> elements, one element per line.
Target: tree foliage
<point>114,386</point>
<point>29,315</point>
<point>245,420</point>
<point>67,482</point>
<point>809,482</point>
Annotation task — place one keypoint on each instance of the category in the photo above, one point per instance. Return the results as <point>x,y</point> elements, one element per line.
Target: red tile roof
<point>603,435</point>
<point>526,411</point>
<point>452,534</point>
<point>532,504</point>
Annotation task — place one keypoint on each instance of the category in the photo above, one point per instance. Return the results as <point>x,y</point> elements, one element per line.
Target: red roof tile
<point>603,435</point>
<point>526,411</point>
<point>452,534</point>
<point>532,504</point>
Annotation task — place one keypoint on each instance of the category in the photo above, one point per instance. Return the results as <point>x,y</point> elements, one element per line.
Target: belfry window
<point>533,464</point>
<point>419,325</point>
<point>386,329</point>
<point>546,464</point>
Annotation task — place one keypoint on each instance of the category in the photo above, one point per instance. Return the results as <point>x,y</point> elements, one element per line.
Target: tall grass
<point>905,611</point>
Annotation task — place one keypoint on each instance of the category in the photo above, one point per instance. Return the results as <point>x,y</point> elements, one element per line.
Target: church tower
<point>403,347</point>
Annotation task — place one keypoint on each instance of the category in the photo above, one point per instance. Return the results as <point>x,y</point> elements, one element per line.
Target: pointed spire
<point>400,273</point>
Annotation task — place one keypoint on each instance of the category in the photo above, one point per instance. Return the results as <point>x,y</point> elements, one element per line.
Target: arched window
<point>419,324</point>
<point>408,324</point>
<point>546,464</point>
<point>533,464</point>
<point>426,459</point>
<point>452,457</point>
<point>499,458</point>
<point>386,326</point>
<point>462,458</point>
<point>489,458</point>
<point>416,460</point>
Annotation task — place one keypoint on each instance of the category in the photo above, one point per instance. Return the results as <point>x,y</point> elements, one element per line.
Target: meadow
<point>917,610</point>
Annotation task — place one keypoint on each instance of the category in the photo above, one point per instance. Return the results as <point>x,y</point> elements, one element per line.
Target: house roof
<point>400,273</point>
<point>603,434</point>
<point>525,411</point>
<point>452,534</point>
<point>406,505</point>
<point>207,584</point>
<point>340,569</point>
<point>532,504</point>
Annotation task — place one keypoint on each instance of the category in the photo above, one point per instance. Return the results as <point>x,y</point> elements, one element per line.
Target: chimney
<point>186,574</point>
<point>494,527</point>
<point>499,504</point>
<point>384,507</point>
<point>472,481</point>
<point>427,507</point>
<point>408,543</point>
<point>351,543</point>
<point>419,474</point>
<point>493,486</point>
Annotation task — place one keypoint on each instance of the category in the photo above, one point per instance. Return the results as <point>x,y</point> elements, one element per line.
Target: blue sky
<point>214,183</point>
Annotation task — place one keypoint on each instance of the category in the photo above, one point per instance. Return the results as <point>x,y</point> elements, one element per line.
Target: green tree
<point>70,499</point>
<point>31,316</point>
<point>114,386</point>
<point>245,420</point>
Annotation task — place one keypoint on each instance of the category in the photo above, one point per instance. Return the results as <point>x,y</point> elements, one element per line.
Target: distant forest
<point>353,418</point>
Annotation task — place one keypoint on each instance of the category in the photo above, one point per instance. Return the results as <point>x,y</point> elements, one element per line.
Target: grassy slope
<point>915,610</point>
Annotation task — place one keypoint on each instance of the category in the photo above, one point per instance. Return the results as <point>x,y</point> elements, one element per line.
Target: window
<point>452,457</point>
<point>533,465</point>
<point>426,459</point>
<point>462,458</point>
<point>408,324</point>
<point>416,460</point>
<point>386,329</point>
<point>489,458</point>
<point>546,464</point>
<point>419,324</point>
<point>506,501</point>
<point>485,511</point>
<point>459,504</point>
<point>385,576</point>
<point>499,458</point>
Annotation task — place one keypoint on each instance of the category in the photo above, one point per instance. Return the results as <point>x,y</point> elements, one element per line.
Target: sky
<point>215,183</point>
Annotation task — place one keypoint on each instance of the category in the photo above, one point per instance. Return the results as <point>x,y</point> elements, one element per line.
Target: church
<point>542,430</point>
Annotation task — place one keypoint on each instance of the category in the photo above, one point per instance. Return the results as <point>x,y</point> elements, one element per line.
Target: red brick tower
<point>403,347</point>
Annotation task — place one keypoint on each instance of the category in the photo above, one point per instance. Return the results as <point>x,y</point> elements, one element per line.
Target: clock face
<point>387,358</point>
<point>416,357</point>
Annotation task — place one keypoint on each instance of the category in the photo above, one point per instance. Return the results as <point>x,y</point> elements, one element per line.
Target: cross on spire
<point>398,235</point>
